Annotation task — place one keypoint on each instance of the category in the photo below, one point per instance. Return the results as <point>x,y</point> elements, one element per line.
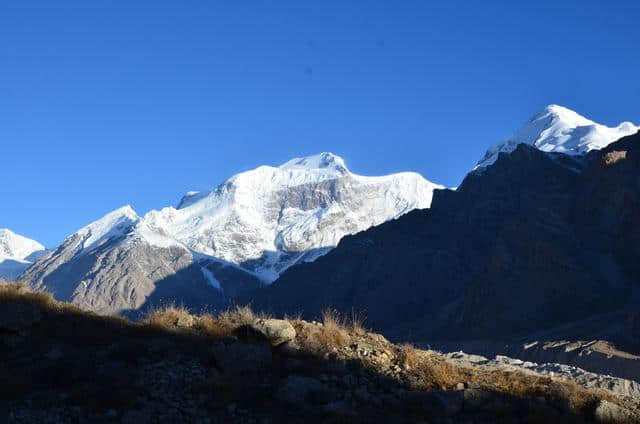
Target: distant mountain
<point>534,241</point>
<point>220,244</point>
<point>561,130</point>
<point>16,253</point>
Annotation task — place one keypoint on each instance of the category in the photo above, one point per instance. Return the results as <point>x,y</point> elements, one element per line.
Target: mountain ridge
<point>224,242</point>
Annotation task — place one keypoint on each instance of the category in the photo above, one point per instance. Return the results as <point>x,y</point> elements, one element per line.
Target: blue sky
<point>106,103</point>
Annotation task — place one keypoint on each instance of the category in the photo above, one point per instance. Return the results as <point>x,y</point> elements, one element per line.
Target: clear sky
<point>106,103</point>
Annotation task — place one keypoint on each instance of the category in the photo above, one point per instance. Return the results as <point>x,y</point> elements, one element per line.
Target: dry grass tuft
<point>409,355</point>
<point>334,332</point>
<point>169,318</point>
<point>18,292</point>
<point>212,327</point>
<point>435,372</point>
<point>240,315</point>
<point>356,323</point>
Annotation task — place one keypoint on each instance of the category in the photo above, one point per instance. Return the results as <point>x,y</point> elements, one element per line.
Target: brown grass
<point>356,323</point>
<point>212,327</point>
<point>240,315</point>
<point>409,355</point>
<point>17,292</point>
<point>427,370</point>
<point>333,332</point>
<point>169,318</point>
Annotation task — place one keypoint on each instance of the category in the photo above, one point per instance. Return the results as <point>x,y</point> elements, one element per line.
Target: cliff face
<point>534,241</point>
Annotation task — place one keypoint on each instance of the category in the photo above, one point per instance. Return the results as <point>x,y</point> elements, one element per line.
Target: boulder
<point>277,331</point>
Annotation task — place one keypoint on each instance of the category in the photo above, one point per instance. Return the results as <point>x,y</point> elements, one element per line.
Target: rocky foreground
<point>59,364</point>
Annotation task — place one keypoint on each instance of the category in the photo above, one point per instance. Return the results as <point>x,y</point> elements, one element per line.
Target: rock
<point>608,412</point>
<point>241,357</point>
<point>277,331</point>
<point>298,390</point>
<point>15,316</point>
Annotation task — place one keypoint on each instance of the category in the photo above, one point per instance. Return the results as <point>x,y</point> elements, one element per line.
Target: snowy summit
<point>561,130</point>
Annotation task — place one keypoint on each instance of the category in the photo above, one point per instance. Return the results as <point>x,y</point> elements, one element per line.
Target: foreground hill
<point>534,241</point>
<point>60,364</point>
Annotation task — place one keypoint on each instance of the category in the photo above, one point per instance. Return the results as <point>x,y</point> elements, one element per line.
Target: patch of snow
<point>211,279</point>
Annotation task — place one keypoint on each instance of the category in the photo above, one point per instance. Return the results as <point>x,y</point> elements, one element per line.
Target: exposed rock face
<point>123,276</point>
<point>534,241</point>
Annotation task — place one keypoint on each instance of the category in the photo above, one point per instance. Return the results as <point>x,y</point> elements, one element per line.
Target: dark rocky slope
<point>59,364</point>
<point>534,241</point>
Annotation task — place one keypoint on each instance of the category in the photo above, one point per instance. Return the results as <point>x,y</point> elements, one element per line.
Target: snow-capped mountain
<point>561,130</point>
<point>218,244</point>
<point>269,218</point>
<point>16,253</point>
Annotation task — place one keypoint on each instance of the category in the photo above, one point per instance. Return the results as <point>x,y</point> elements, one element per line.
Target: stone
<point>15,316</point>
<point>239,358</point>
<point>610,413</point>
<point>277,331</point>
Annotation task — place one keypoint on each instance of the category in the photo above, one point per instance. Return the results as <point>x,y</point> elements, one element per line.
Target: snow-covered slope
<point>269,218</point>
<point>226,242</point>
<point>561,130</point>
<point>16,253</point>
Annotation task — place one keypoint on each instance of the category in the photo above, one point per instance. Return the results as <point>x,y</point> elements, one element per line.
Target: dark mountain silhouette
<point>532,242</point>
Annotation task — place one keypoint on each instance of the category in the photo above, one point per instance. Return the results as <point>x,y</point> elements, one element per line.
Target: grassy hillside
<point>61,364</point>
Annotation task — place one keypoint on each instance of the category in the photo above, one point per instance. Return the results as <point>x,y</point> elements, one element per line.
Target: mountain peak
<point>16,253</point>
<point>15,246</point>
<point>560,113</point>
<point>560,130</point>
<point>322,161</point>
<point>113,224</point>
